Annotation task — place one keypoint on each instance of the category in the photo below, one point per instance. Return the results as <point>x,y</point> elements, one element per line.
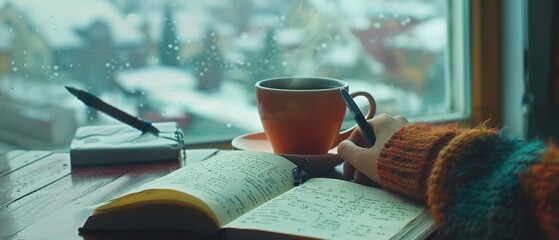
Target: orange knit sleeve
<point>406,159</point>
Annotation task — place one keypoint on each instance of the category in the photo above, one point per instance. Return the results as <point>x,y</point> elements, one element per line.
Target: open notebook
<point>252,195</point>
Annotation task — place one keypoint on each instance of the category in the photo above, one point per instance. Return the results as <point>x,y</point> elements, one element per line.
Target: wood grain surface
<point>42,197</point>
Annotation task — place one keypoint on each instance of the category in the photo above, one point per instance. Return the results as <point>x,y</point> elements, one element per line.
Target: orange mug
<point>303,115</point>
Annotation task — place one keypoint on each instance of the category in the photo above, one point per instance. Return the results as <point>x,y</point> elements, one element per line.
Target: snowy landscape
<point>196,62</point>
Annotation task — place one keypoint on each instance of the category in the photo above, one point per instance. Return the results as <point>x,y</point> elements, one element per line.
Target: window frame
<point>460,49</point>
<point>486,85</point>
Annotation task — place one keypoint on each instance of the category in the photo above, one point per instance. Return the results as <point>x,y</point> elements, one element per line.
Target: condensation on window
<point>196,62</point>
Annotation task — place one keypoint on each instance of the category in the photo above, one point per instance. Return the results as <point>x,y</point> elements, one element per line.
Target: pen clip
<point>299,172</point>
<point>179,138</point>
<point>145,125</point>
<point>353,108</point>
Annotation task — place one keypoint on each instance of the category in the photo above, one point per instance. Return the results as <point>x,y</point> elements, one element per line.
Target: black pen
<point>358,116</point>
<point>96,103</point>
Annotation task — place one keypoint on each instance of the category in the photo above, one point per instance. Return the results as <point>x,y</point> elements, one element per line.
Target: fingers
<point>360,161</point>
<point>383,124</point>
<point>401,119</point>
<point>359,138</point>
<point>350,152</point>
<point>363,179</point>
<point>357,159</point>
<point>382,121</point>
<point>349,171</point>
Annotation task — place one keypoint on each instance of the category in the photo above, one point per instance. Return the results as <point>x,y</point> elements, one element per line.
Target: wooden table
<point>43,197</point>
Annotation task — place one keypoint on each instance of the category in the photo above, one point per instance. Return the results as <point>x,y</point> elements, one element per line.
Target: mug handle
<point>370,114</point>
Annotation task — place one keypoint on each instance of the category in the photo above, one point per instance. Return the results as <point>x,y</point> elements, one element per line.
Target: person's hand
<point>360,161</point>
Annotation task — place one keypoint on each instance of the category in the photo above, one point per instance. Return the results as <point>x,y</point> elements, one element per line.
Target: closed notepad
<point>120,143</point>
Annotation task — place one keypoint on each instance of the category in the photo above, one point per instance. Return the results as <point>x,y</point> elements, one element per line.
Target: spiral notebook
<point>121,144</point>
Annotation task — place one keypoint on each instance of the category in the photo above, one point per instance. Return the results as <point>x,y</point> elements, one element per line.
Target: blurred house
<point>417,53</point>
<point>407,38</point>
<point>44,43</point>
<point>52,38</point>
<point>373,21</point>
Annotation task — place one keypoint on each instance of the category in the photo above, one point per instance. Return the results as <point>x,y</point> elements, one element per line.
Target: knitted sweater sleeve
<point>406,159</point>
<point>542,191</point>
<point>476,182</point>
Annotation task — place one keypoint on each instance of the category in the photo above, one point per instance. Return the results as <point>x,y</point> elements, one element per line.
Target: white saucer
<point>259,142</point>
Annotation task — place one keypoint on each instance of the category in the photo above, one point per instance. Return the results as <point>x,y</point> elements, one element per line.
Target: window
<point>196,62</point>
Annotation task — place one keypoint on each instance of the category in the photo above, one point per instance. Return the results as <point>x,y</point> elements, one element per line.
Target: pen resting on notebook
<point>96,103</point>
